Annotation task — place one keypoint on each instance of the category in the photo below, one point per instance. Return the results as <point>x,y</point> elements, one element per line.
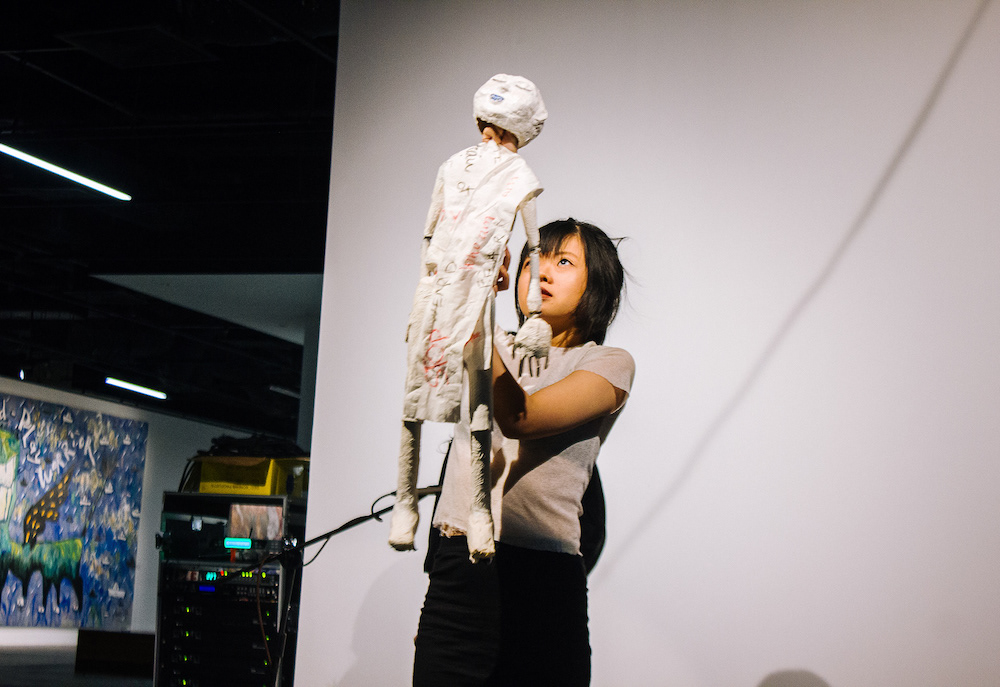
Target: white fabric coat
<point>476,196</point>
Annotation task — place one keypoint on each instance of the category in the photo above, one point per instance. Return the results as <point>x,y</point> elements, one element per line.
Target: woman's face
<point>564,279</point>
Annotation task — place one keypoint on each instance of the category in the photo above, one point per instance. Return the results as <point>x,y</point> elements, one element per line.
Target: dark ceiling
<point>216,117</point>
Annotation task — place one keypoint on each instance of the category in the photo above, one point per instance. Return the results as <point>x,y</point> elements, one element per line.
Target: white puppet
<point>477,194</point>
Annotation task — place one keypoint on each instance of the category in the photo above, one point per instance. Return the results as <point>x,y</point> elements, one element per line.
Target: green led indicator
<point>236,543</point>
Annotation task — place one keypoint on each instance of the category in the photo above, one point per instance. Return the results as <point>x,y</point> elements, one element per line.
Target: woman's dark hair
<point>605,274</point>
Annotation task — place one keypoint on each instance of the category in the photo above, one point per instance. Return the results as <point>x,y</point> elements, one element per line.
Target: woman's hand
<point>503,278</point>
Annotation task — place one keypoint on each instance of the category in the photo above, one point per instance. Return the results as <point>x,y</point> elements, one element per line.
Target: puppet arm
<point>433,217</point>
<point>535,335</point>
<point>427,268</point>
<point>405,514</point>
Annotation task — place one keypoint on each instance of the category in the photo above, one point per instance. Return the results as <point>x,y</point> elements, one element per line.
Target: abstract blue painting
<point>70,491</point>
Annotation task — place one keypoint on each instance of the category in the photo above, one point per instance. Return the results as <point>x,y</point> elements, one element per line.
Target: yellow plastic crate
<point>252,476</point>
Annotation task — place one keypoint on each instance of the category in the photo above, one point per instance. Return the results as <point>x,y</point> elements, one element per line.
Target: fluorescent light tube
<point>282,390</point>
<point>136,388</point>
<point>72,176</point>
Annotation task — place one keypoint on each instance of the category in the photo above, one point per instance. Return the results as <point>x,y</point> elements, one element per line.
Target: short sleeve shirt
<point>538,484</point>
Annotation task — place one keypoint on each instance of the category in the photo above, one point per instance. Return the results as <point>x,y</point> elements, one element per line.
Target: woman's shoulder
<point>595,351</point>
<point>614,364</point>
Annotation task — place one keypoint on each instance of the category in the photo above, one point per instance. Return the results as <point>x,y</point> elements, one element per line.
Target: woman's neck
<point>566,338</point>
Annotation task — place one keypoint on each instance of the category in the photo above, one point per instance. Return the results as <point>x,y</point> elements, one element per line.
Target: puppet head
<point>512,103</point>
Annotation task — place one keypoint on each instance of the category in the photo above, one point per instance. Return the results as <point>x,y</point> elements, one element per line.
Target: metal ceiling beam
<point>288,31</point>
<point>69,84</point>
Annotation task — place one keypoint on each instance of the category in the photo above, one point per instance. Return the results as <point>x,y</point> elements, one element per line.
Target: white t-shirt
<point>538,484</point>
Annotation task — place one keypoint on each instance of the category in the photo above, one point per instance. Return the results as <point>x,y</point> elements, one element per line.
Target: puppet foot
<point>533,338</point>
<point>403,527</point>
<point>480,536</point>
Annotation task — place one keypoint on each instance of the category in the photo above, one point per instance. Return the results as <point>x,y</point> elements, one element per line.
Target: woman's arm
<point>577,399</point>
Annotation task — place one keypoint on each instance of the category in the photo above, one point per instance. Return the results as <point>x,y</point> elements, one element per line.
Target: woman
<point>522,618</point>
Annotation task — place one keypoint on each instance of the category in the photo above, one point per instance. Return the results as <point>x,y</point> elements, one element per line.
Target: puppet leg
<point>480,531</point>
<point>405,516</point>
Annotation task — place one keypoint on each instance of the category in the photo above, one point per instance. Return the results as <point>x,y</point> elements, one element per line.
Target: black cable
<point>316,555</point>
<point>375,503</point>
<point>260,618</point>
<point>373,515</point>
<point>188,469</point>
<point>283,625</point>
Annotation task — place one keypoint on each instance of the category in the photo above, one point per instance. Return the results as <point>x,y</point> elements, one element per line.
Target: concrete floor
<point>54,667</point>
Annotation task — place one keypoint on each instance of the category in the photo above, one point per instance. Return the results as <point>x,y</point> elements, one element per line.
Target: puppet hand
<point>403,527</point>
<point>533,338</point>
<point>503,276</point>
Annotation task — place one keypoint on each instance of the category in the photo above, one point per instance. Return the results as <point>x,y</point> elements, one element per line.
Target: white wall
<point>170,442</point>
<point>805,476</point>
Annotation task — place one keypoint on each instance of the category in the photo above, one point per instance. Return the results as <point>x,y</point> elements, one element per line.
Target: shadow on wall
<point>794,678</point>
<point>383,649</point>
<point>803,303</point>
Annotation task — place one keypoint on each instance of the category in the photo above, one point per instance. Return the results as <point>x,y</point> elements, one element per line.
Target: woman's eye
<point>565,261</point>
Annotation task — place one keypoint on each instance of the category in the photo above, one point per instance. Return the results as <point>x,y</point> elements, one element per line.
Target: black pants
<point>520,619</point>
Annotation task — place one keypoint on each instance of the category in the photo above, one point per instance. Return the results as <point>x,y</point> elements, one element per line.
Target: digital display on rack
<point>255,521</point>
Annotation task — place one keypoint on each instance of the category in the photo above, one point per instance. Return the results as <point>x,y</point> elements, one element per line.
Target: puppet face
<point>503,84</point>
<point>512,103</point>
